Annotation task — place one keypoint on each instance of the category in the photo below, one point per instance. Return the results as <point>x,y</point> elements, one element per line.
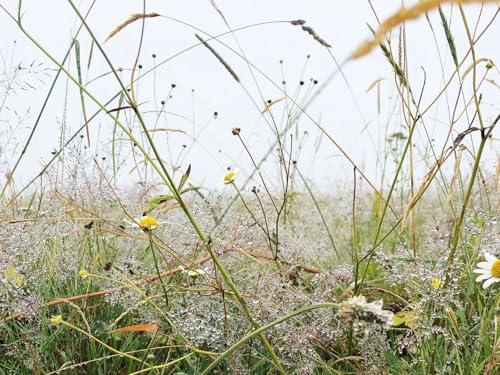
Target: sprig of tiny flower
<point>358,309</point>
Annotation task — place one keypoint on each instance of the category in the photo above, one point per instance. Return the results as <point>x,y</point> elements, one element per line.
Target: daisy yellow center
<point>148,222</point>
<point>495,268</point>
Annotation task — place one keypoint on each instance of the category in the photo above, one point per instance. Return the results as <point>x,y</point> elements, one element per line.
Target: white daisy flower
<point>489,270</point>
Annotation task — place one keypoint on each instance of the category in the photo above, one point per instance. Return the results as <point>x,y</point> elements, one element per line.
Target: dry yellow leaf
<point>137,328</point>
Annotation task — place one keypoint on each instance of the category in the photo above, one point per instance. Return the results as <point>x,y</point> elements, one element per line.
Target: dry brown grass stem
<point>269,104</point>
<point>468,70</point>
<point>429,177</point>
<point>375,83</point>
<point>151,279</point>
<point>497,177</point>
<point>103,292</point>
<point>456,173</point>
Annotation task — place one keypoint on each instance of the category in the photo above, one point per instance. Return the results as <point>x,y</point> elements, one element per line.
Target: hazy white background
<point>203,86</point>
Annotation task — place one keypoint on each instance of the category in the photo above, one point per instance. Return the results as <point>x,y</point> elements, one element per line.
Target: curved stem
<point>264,328</point>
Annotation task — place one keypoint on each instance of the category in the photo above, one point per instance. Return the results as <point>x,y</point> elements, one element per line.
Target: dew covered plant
<point>120,256</point>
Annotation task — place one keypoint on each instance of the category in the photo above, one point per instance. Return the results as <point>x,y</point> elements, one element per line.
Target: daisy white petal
<point>482,277</point>
<point>479,270</point>
<point>490,258</point>
<point>484,265</point>
<point>487,283</point>
<point>488,271</point>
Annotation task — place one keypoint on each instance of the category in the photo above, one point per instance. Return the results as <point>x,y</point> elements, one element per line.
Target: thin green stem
<point>264,328</point>
<point>485,133</point>
<point>458,226</point>
<point>155,259</point>
<point>167,178</point>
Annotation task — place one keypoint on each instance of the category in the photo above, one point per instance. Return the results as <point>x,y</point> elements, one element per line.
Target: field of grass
<point>267,272</point>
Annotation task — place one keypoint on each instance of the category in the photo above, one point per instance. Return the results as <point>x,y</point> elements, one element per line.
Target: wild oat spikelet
<point>219,57</point>
<point>311,31</point>
<point>316,37</point>
<point>131,19</point>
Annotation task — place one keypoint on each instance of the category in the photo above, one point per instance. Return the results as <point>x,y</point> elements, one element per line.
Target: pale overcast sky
<point>203,86</point>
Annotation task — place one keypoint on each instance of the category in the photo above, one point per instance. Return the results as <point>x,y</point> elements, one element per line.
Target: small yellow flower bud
<point>435,282</point>
<point>83,273</point>
<point>228,178</point>
<point>56,319</point>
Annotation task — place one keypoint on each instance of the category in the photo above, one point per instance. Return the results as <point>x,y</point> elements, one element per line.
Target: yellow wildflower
<point>435,282</point>
<point>229,177</point>
<point>148,223</point>
<point>56,319</point>
<point>83,273</point>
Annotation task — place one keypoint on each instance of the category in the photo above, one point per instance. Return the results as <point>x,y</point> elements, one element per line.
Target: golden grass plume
<point>489,63</point>
<point>402,15</point>
<point>131,19</point>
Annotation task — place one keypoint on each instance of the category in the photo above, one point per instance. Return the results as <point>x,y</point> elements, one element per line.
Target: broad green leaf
<point>406,318</point>
<point>163,198</point>
<point>10,273</point>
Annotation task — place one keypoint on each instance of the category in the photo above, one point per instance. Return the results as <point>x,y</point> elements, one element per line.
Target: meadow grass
<point>261,275</point>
